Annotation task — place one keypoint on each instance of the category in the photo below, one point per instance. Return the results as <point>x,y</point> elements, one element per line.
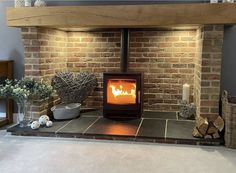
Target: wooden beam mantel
<point>119,16</point>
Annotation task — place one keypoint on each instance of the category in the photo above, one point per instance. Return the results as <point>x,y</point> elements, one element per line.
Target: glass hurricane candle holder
<point>24,117</point>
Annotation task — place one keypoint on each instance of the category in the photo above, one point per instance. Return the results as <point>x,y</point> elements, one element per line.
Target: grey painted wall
<point>11,47</point>
<point>228,77</point>
<point>11,44</point>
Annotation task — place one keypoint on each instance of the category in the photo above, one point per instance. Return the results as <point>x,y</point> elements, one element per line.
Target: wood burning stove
<point>122,95</point>
<point>123,92</point>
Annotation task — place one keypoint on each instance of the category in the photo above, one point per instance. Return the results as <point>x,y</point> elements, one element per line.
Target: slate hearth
<point>160,127</point>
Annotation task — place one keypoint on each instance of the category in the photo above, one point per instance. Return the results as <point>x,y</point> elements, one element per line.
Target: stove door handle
<point>139,100</point>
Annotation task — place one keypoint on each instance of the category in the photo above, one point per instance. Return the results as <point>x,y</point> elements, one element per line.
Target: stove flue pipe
<point>124,51</point>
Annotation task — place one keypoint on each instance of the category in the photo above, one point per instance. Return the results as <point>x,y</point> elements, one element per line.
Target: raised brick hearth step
<point>159,127</point>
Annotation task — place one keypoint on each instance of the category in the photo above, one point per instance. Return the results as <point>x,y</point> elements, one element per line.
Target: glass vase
<point>24,117</point>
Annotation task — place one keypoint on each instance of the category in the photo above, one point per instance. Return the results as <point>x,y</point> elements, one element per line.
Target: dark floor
<point>164,127</point>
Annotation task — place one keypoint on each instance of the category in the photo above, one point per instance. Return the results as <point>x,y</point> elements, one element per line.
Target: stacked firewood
<point>208,129</point>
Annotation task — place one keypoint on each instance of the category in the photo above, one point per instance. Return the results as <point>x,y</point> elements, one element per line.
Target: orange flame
<point>121,92</point>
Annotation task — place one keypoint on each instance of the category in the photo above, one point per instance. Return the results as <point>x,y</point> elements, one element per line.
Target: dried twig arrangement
<point>74,88</point>
<point>187,111</point>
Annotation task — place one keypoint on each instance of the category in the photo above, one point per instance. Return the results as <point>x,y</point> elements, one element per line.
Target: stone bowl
<point>66,111</point>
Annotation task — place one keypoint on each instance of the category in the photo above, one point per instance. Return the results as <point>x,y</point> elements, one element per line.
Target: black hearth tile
<point>17,128</point>
<point>124,138</point>
<point>84,110</point>
<point>159,115</point>
<point>103,137</point>
<point>165,141</point>
<point>56,126</point>
<point>72,135</point>
<point>211,142</point>
<point>39,134</point>
<point>117,128</point>
<point>140,139</point>
<point>187,142</point>
<point>182,118</point>
<point>27,130</point>
<point>78,126</point>
<point>152,128</point>
<point>92,113</point>
<point>180,129</point>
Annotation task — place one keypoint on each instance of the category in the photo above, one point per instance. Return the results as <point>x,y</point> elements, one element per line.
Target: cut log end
<point>212,129</point>
<point>219,123</point>
<point>202,125</point>
<point>208,129</point>
<point>196,133</point>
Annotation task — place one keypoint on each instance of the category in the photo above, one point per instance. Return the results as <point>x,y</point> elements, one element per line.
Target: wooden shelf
<point>6,71</point>
<point>120,16</point>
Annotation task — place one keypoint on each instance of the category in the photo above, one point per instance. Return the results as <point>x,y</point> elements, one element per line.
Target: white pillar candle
<point>185,95</point>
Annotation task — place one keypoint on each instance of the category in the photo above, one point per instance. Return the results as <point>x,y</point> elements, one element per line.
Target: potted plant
<point>25,92</point>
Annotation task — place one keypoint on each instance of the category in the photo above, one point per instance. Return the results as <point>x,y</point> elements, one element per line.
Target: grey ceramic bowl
<point>66,111</point>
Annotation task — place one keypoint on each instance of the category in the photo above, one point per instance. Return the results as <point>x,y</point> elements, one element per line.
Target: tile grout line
<point>139,127</point>
<point>157,119</point>
<point>63,126</point>
<point>90,125</point>
<point>166,128</point>
<point>91,116</point>
<point>184,120</point>
<point>177,117</point>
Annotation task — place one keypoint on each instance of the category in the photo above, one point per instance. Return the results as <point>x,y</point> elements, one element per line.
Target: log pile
<point>208,129</point>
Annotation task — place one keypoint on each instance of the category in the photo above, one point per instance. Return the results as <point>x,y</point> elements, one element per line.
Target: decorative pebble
<point>43,120</point>
<point>35,125</point>
<point>49,123</point>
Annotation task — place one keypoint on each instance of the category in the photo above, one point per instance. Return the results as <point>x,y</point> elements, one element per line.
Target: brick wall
<point>95,52</point>
<point>168,58</point>
<point>156,53</point>
<point>45,54</point>
<point>211,70</point>
<point>198,69</point>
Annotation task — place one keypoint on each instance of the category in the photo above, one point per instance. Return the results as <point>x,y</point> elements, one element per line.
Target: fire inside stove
<point>121,91</point>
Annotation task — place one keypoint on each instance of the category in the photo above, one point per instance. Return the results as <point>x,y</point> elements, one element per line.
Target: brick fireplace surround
<point>168,57</point>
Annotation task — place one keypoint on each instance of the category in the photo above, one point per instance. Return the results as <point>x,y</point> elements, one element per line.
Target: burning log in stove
<point>121,92</point>
<point>207,129</point>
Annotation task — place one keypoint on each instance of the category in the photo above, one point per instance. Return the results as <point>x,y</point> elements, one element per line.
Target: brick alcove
<point>168,57</point>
